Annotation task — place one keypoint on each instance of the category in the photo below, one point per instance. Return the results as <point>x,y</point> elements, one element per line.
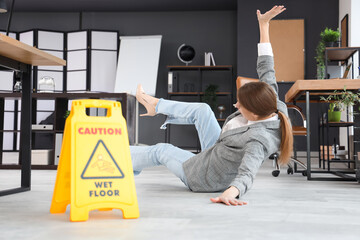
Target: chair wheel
<point>290,170</point>
<point>276,173</point>
<point>304,173</point>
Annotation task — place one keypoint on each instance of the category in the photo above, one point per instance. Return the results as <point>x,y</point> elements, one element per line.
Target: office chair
<point>297,131</point>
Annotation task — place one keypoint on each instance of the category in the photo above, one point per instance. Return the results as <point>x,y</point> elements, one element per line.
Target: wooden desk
<point>319,88</point>
<point>20,57</point>
<point>310,91</point>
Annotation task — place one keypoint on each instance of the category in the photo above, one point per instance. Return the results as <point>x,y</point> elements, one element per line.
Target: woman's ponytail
<point>287,140</point>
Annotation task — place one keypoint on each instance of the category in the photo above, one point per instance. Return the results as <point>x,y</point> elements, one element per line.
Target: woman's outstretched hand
<point>229,197</point>
<point>228,201</point>
<point>266,17</point>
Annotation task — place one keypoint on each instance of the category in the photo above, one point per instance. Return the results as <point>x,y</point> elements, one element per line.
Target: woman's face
<point>246,113</point>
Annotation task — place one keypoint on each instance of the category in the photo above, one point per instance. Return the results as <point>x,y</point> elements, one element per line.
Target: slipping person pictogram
<point>101,164</point>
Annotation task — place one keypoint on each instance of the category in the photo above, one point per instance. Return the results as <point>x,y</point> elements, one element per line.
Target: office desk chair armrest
<point>299,110</point>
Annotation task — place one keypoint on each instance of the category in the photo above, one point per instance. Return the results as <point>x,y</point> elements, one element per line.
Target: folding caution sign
<point>95,169</point>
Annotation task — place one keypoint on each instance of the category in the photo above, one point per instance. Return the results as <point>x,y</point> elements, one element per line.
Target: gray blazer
<point>238,153</point>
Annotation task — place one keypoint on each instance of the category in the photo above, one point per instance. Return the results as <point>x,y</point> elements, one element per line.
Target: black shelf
<point>33,167</point>
<point>342,160</point>
<point>342,55</point>
<point>43,131</point>
<point>194,76</point>
<point>337,124</point>
<point>197,93</point>
<point>326,153</point>
<point>202,68</point>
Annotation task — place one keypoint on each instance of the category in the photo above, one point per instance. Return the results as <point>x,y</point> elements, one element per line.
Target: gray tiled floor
<point>287,207</point>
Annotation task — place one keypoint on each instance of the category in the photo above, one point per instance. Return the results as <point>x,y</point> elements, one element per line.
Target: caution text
<point>99,131</point>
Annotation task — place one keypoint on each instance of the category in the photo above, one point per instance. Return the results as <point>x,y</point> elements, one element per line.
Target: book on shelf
<point>347,70</point>
<point>209,59</point>
<point>173,82</point>
<point>212,60</point>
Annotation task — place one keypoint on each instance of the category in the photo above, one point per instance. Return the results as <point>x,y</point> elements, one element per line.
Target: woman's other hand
<point>228,197</point>
<point>266,17</point>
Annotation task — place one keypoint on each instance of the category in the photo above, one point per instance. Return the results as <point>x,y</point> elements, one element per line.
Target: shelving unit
<point>195,84</point>
<point>61,106</point>
<point>324,155</point>
<point>340,54</point>
<point>20,57</point>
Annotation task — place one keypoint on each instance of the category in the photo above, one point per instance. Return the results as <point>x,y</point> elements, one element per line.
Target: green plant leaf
<point>343,101</point>
<point>210,96</point>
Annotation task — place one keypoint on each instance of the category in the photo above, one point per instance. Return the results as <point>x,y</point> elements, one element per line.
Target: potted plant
<point>330,37</point>
<point>210,96</point>
<point>320,60</point>
<point>340,101</point>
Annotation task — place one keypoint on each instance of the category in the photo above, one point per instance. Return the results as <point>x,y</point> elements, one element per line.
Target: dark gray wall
<point>121,5</point>
<point>49,21</point>
<point>317,14</point>
<point>206,31</point>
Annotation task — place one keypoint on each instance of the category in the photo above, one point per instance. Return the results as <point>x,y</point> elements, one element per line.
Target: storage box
<point>42,156</point>
<point>330,147</point>
<point>38,157</point>
<point>340,154</point>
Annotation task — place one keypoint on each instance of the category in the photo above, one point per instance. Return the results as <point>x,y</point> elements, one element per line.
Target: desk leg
<point>25,134</point>
<point>308,169</point>
<point>2,115</point>
<point>136,123</point>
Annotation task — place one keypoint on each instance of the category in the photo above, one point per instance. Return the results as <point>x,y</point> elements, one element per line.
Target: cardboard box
<point>331,147</point>
<point>42,156</point>
<point>38,157</point>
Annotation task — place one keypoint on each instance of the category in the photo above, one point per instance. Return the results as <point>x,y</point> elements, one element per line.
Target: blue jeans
<point>199,114</point>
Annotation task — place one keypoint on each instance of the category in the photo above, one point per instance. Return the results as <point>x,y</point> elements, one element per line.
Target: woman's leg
<point>199,114</point>
<point>160,154</point>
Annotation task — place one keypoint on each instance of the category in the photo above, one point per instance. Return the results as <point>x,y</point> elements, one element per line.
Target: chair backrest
<point>297,130</point>
<point>241,81</point>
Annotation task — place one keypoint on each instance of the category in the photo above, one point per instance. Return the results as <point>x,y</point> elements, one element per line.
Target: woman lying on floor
<point>230,157</point>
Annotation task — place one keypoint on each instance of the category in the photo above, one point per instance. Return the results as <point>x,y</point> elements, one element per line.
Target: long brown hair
<point>260,99</point>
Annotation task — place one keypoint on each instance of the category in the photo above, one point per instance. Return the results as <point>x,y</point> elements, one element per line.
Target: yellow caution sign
<point>95,169</point>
